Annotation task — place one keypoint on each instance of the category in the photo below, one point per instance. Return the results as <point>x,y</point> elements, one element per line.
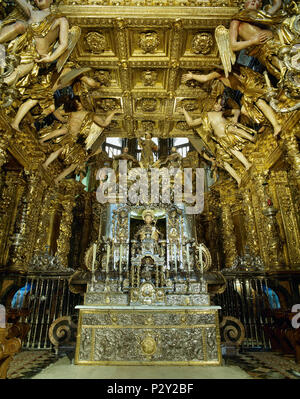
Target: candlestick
<point>175,258</point>
<point>120,261</point>
<point>200,257</point>
<point>94,256</point>
<point>188,256</point>
<point>107,257</point>
<point>267,79</point>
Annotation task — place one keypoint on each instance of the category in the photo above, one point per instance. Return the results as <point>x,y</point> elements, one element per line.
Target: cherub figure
<point>229,135</point>
<point>254,90</point>
<point>46,38</point>
<point>73,145</point>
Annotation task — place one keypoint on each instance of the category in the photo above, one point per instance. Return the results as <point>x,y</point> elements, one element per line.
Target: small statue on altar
<point>148,230</point>
<point>174,160</point>
<point>125,156</point>
<point>148,146</point>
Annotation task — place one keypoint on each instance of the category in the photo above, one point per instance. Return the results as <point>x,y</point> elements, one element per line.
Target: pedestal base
<point>148,335</point>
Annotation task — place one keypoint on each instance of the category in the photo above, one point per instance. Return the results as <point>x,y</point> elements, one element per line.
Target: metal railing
<point>47,298</point>
<point>250,299</point>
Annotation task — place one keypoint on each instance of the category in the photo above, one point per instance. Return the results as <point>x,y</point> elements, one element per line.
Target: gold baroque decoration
<point>148,345</point>
<point>202,43</point>
<point>149,41</point>
<point>108,104</point>
<point>96,42</point>
<point>149,78</point>
<point>190,104</point>
<point>112,126</point>
<point>182,125</point>
<point>103,77</point>
<point>147,126</point>
<point>148,104</point>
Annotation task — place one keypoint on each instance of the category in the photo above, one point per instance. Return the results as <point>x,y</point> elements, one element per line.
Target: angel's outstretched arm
<point>106,122</point>
<point>189,120</point>
<point>90,82</point>
<point>200,78</point>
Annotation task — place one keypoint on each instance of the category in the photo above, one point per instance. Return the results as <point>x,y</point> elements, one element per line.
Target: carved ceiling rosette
<point>149,78</point>
<point>147,104</point>
<point>95,42</point>
<point>202,43</point>
<point>190,104</point>
<point>108,104</point>
<point>112,126</point>
<point>149,41</point>
<point>103,77</point>
<point>182,125</point>
<point>148,126</point>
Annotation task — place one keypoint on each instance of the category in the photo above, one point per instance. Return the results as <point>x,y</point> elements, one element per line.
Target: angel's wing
<point>74,34</point>
<point>94,133</point>
<point>226,54</point>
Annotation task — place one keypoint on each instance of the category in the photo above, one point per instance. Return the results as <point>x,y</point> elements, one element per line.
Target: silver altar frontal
<point>147,301</point>
<point>166,335</point>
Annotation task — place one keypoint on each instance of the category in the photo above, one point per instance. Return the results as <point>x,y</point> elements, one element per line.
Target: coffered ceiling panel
<point>139,54</point>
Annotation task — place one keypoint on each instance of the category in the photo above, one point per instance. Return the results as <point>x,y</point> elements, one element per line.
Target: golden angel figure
<point>73,146</point>
<point>229,135</point>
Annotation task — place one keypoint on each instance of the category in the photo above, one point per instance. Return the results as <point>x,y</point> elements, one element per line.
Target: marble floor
<point>44,364</point>
<point>62,369</point>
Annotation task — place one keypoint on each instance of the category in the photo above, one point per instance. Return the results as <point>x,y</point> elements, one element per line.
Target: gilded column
<point>250,225</point>
<point>46,214</point>
<point>26,236</point>
<point>98,218</point>
<point>229,239</point>
<point>86,229</point>
<point>266,222</point>
<point>9,205</point>
<point>291,147</point>
<point>288,216</point>
<point>65,228</point>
